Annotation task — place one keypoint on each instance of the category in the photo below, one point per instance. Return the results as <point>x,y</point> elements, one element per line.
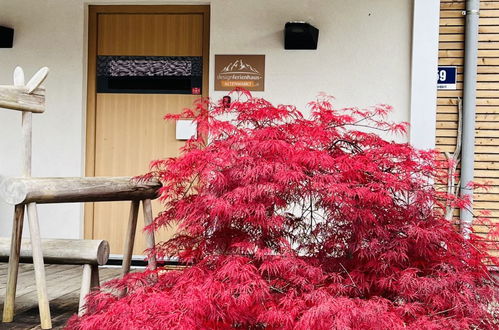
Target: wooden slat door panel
<point>128,130</point>
<point>130,133</point>
<point>150,34</point>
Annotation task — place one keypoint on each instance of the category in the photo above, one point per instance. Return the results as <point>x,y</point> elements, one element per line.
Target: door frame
<point>93,13</point>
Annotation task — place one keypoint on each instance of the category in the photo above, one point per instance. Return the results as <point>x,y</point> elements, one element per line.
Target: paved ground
<point>63,285</point>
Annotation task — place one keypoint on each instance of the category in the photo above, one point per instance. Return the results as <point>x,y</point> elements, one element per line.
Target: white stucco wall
<point>363,58</point>
<point>47,33</point>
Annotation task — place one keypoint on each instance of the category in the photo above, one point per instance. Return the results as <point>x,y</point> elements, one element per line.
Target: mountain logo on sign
<point>239,67</point>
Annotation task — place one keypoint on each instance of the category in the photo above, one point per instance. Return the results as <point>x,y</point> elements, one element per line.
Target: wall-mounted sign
<point>246,71</point>
<point>447,77</point>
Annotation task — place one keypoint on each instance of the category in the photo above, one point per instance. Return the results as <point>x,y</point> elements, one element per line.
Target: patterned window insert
<point>149,74</point>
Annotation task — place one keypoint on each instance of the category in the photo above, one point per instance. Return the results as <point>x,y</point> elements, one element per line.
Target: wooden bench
<point>27,192</point>
<point>89,253</point>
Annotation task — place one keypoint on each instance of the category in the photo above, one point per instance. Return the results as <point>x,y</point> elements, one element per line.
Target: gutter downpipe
<point>469,108</point>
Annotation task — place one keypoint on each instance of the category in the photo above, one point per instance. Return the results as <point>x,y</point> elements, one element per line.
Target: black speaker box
<point>6,37</point>
<point>300,35</point>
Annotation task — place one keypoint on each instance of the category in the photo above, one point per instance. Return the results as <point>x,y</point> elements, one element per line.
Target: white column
<point>424,66</point>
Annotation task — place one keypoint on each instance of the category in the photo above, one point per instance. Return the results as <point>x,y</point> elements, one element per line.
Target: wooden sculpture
<point>26,192</point>
<point>27,98</point>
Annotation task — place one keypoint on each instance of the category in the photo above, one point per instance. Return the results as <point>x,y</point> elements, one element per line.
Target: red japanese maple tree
<point>287,222</point>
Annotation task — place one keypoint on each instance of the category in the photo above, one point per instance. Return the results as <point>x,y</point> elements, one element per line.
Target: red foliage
<point>294,223</point>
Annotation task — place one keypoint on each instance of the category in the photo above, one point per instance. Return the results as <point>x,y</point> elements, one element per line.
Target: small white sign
<point>186,129</point>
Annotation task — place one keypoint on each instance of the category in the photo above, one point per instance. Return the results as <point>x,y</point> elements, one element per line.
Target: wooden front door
<point>130,89</point>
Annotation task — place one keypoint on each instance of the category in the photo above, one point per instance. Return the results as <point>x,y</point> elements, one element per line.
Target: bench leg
<point>94,277</point>
<point>15,248</point>
<point>85,288</point>
<point>130,237</point>
<point>150,243</point>
<point>41,287</point>
<point>89,282</point>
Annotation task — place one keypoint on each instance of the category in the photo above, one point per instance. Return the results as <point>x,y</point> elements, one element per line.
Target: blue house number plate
<point>447,76</point>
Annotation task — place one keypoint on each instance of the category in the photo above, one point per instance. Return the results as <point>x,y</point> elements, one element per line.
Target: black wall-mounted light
<point>300,35</point>
<point>6,37</point>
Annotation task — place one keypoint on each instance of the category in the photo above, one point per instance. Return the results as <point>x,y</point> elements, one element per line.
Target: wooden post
<point>15,248</point>
<point>68,190</point>
<point>27,136</point>
<point>85,287</point>
<point>34,229</point>
<point>17,98</point>
<point>41,288</point>
<point>147,209</point>
<point>130,237</point>
<point>61,251</point>
<point>94,277</point>
<point>89,282</point>
<point>17,228</point>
